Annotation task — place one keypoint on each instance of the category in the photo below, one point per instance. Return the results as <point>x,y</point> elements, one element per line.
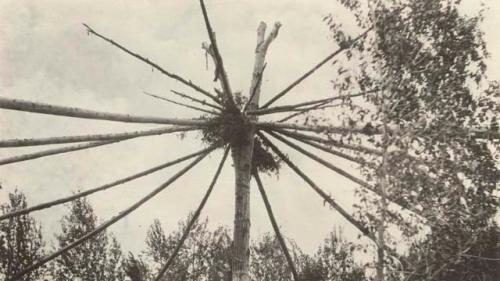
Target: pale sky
<point>46,56</point>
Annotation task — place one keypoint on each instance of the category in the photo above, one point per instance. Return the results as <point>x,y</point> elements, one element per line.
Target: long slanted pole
<point>476,132</point>
<point>286,108</point>
<point>276,228</point>
<point>300,136</point>
<point>318,190</point>
<point>219,64</point>
<point>182,104</point>
<point>360,226</point>
<point>108,223</point>
<point>194,218</point>
<point>358,160</point>
<point>202,102</point>
<point>323,162</point>
<point>43,108</point>
<point>96,137</point>
<point>53,151</point>
<point>102,187</point>
<point>113,138</point>
<point>316,67</point>
<point>154,65</point>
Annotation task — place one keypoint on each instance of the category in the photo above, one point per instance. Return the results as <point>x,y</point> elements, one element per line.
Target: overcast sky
<point>46,56</point>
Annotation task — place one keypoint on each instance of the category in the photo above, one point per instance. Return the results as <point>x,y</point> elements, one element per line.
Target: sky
<point>47,56</point>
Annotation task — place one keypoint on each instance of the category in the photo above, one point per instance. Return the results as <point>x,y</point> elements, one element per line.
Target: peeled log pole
<point>276,228</point>
<point>219,64</point>
<point>96,137</point>
<point>342,172</point>
<point>154,65</point>
<point>202,102</point>
<point>332,142</point>
<point>325,196</point>
<point>242,153</point>
<point>323,162</point>
<point>48,152</point>
<point>43,108</point>
<point>316,67</point>
<point>477,133</point>
<point>357,160</point>
<point>102,187</point>
<point>285,108</point>
<point>182,104</point>
<point>318,190</point>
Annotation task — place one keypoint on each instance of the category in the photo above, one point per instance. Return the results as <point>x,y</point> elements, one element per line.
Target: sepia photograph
<point>225,140</point>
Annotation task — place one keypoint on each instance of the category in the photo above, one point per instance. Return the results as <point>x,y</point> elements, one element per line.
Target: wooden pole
<point>221,73</point>
<point>318,190</point>
<point>102,187</point>
<point>194,218</point>
<point>54,151</point>
<point>43,108</point>
<point>154,65</point>
<point>96,137</point>
<point>242,153</point>
<point>316,67</point>
<point>276,228</point>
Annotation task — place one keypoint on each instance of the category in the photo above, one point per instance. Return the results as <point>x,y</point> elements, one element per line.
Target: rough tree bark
<point>242,153</point>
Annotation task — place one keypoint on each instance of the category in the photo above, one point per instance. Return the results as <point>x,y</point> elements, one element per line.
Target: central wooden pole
<point>242,152</point>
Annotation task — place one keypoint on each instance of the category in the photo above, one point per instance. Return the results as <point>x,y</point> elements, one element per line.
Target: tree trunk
<point>383,185</point>
<point>242,153</point>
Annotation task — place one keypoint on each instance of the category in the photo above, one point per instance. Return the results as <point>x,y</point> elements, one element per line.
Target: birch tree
<point>99,260</point>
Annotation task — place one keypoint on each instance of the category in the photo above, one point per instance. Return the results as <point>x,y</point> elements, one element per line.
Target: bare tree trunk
<point>242,153</point>
<point>383,200</point>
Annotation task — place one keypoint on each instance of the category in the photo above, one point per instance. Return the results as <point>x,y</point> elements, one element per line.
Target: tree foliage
<point>427,61</point>
<point>21,240</point>
<point>98,259</point>
<point>206,255</point>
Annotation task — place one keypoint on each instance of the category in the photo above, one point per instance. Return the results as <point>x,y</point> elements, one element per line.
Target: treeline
<point>206,254</point>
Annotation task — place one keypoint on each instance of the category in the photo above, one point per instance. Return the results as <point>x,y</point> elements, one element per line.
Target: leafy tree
<point>205,255</point>
<point>426,62</point>
<point>21,241</point>
<point>332,261</point>
<point>267,261</point>
<point>135,268</point>
<point>477,260</point>
<point>98,259</point>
